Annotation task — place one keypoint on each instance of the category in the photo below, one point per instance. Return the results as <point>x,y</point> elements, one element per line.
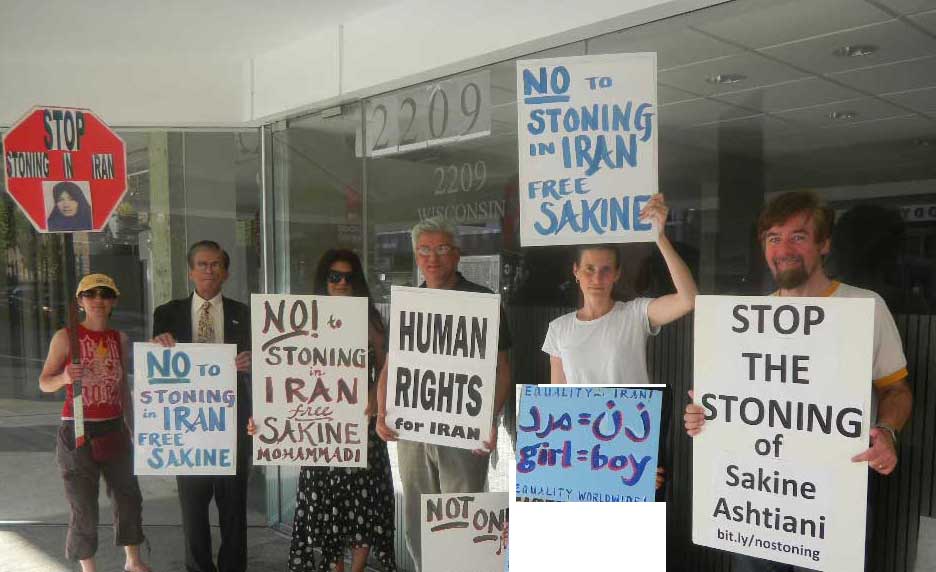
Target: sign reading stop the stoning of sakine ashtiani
<point>65,168</point>
<point>442,365</point>
<point>785,385</point>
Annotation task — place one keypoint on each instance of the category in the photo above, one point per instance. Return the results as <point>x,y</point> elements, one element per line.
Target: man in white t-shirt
<point>795,230</point>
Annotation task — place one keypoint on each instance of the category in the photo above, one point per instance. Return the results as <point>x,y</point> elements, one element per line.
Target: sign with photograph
<point>65,168</point>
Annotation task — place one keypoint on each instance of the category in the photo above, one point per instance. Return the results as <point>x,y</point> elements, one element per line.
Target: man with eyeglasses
<point>434,469</point>
<point>208,317</point>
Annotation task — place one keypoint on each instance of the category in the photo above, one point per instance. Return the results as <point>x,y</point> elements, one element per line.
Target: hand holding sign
<point>881,456</point>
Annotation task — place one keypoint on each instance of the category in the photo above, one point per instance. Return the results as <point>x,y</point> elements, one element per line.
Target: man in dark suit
<point>208,317</point>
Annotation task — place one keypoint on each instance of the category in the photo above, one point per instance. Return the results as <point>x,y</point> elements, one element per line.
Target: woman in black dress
<point>338,507</point>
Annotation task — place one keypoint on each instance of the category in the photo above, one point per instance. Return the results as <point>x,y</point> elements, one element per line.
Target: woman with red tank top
<point>107,451</point>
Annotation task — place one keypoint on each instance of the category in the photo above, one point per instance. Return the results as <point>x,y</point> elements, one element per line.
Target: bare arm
<point>55,374</point>
<point>895,403</point>
<point>665,309</point>
<point>386,433</point>
<point>125,385</point>
<point>376,339</point>
<point>556,373</point>
<point>502,389</point>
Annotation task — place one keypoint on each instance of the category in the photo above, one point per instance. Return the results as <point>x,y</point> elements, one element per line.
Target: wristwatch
<point>890,431</point>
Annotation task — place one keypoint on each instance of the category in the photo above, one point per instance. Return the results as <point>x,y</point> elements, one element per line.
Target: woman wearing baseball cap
<point>107,452</point>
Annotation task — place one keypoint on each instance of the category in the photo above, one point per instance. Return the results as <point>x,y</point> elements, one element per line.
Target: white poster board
<point>587,134</point>
<point>786,388</point>
<point>442,365</point>
<point>310,375</point>
<point>464,532</point>
<point>184,409</point>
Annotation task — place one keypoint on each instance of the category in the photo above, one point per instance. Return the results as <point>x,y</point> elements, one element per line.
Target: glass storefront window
<point>183,186</point>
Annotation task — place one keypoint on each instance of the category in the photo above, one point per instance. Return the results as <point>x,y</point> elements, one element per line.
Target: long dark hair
<point>358,282</point>
<point>81,220</point>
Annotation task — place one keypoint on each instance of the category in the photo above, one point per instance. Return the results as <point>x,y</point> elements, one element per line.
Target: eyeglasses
<point>441,250</point>
<point>102,293</point>
<point>335,277</point>
<point>209,266</point>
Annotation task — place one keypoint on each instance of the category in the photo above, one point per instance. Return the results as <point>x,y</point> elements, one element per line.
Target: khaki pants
<point>82,475</point>
<point>434,469</point>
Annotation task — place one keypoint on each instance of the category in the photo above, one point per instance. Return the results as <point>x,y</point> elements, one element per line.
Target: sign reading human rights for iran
<point>588,443</point>
<point>310,376</point>
<point>442,365</point>
<point>587,133</point>
<point>464,532</point>
<point>785,384</point>
<point>185,409</point>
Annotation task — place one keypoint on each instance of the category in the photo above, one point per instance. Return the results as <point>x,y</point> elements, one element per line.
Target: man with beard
<point>795,231</point>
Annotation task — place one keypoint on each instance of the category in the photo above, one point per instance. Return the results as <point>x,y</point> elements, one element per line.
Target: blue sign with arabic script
<point>588,443</point>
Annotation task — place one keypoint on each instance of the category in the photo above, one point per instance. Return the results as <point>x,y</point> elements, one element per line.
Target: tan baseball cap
<point>92,281</point>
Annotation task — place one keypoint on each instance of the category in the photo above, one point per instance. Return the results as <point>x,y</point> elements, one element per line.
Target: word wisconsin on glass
<point>464,532</point>
<point>310,375</point>
<point>583,443</point>
<point>184,409</point>
<point>587,135</point>
<point>442,365</point>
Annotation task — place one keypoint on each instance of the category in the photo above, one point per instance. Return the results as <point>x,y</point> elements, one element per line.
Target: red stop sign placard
<point>65,169</point>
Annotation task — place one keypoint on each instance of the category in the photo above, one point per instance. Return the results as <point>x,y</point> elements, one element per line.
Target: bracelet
<point>890,431</point>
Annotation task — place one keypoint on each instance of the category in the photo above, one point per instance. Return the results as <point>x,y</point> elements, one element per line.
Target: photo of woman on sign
<point>339,507</point>
<point>69,209</point>
<point>604,341</point>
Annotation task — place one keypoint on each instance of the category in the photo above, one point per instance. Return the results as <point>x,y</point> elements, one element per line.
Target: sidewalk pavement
<point>41,548</point>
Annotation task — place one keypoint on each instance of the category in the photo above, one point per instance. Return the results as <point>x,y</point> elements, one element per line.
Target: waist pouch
<point>109,440</point>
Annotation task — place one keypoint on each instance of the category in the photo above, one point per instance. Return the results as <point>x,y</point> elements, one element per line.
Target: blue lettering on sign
<point>551,86</point>
<point>599,216</point>
<point>174,368</point>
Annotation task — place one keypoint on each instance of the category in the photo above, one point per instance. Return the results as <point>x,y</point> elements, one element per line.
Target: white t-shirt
<point>609,350</point>
<point>888,364</point>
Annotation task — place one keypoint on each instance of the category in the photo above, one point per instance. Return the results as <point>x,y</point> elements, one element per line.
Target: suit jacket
<point>175,317</point>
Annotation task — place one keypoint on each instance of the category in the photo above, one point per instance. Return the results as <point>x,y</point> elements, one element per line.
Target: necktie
<point>206,333</point>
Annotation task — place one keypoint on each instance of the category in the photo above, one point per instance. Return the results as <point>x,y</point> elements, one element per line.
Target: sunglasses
<point>335,277</point>
<point>102,293</point>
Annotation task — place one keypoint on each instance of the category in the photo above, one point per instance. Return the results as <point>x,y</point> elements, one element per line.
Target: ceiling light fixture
<point>855,51</point>
<point>725,78</point>
<point>843,115</point>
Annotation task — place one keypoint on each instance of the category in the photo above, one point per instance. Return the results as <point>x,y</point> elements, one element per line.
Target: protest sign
<point>185,409</point>
<point>442,365</point>
<point>588,443</point>
<point>464,532</point>
<point>785,384</point>
<point>310,376</point>
<point>588,148</point>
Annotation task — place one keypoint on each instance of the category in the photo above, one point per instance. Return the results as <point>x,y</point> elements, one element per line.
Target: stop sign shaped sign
<point>65,169</point>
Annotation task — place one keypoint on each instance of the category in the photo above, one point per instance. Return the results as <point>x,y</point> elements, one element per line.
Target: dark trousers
<point>82,476</point>
<point>230,495</point>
